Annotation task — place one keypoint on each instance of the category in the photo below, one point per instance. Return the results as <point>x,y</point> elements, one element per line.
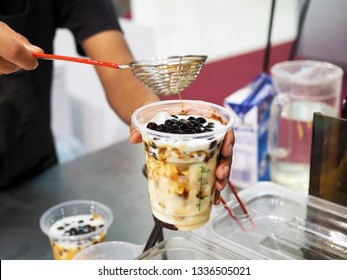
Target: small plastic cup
<point>75,225</point>
<point>181,167</point>
<point>111,250</point>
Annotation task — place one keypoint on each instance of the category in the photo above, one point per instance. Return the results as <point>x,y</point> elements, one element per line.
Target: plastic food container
<point>110,250</point>
<point>72,226</point>
<point>288,225</point>
<point>181,248</point>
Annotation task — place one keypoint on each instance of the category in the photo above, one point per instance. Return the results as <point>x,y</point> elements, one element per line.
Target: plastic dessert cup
<point>181,167</point>
<point>111,250</point>
<point>75,225</point>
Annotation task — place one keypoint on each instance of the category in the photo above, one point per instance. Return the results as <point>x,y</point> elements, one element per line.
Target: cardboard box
<point>251,107</point>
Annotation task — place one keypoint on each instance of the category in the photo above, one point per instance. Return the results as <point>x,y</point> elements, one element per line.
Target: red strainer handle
<point>79,60</point>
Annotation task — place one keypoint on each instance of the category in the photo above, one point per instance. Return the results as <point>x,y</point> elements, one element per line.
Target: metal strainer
<point>164,75</point>
<point>168,75</point>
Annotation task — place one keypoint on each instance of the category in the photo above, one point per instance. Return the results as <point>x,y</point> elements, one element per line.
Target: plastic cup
<point>75,225</point>
<point>181,167</point>
<point>111,250</point>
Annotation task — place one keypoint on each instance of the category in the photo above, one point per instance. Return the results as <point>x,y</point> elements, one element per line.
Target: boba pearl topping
<point>183,149</point>
<point>77,225</point>
<point>182,124</point>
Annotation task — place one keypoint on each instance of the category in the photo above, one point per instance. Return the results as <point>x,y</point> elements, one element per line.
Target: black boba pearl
<point>170,122</point>
<point>201,120</point>
<point>71,231</point>
<point>181,124</point>
<point>152,125</point>
<point>213,144</point>
<point>161,128</point>
<point>197,129</point>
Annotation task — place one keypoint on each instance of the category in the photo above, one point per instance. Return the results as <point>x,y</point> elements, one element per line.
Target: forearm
<point>123,91</point>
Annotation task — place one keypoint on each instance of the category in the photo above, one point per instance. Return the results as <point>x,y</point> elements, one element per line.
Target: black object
<point>156,234</point>
<point>268,42</point>
<point>302,18</point>
<point>344,108</point>
<point>328,169</point>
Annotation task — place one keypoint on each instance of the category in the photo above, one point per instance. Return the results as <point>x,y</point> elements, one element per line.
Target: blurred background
<point>231,33</point>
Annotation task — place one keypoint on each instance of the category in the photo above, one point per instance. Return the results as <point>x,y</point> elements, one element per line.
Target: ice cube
<point>161,117</point>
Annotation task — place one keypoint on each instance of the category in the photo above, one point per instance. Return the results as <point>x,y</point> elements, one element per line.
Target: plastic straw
<point>154,236</point>
<point>226,207</point>
<point>302,17</point>
<point>268,43</point>
<point>240,203</point>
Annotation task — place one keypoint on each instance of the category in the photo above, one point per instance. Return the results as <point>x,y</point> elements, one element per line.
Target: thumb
<point>135,135</point>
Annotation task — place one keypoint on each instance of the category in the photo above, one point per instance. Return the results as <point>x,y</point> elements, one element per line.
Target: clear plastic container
<point>181,248</point>
<point>68,225</point>
<point>288,225</point>
<point>110,250</point>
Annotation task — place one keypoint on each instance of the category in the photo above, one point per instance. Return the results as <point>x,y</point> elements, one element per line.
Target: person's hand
<point>224,164</point>
<point>135,135</point>
<point>15,51</point>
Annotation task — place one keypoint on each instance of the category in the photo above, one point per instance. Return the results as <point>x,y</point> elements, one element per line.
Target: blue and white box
<point>251,107</point>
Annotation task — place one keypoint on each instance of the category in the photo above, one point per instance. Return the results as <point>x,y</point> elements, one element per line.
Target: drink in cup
<point>75,225</point>
<point>182,140</point>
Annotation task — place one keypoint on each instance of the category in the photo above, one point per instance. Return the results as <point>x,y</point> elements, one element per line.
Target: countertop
<point>112,176</point>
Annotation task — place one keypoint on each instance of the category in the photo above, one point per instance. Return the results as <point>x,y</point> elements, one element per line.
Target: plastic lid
<point>288,225</point>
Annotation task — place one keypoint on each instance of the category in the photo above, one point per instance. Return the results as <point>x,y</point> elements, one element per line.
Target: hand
<point>135,135</point>
<point>224,164</point>
<point>16,51</point>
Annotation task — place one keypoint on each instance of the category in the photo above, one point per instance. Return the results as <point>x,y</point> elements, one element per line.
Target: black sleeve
<point>86,17</point>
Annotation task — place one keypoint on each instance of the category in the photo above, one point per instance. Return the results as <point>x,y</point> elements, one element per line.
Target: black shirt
<point>26,141</point>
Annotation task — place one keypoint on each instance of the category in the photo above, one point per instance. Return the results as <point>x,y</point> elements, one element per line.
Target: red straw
<point>240,203</point>
<point>226,207</point>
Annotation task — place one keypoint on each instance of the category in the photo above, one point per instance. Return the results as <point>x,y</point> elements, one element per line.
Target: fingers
<point>217,197</point>
<point>228,143</point>
<point>7,67</point>
<point>135,135</point>
<point>224,164</point>
<point>16,51</point>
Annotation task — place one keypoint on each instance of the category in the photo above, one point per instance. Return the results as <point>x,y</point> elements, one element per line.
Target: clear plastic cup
<point>111,250</point>
<point>181,167</point>
<point>75,225</point>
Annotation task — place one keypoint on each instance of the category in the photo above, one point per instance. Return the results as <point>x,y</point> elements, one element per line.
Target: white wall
<point>218,28</point>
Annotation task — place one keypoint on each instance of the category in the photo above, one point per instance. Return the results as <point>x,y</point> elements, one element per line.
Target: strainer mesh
<point>170,75</point>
